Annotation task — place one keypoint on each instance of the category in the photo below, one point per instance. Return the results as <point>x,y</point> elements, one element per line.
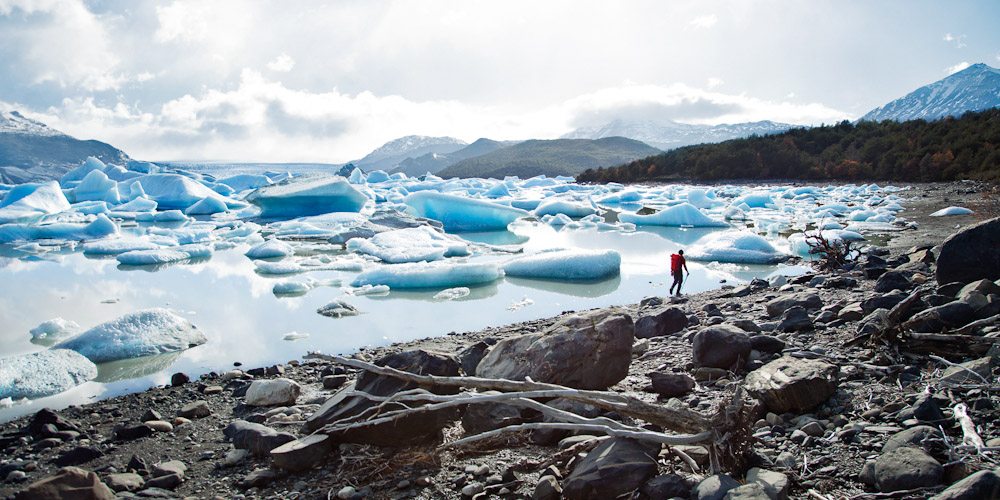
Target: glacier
<point>142,333</point>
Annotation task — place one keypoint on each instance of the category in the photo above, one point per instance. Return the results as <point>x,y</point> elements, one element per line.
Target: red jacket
<point>676,262</point>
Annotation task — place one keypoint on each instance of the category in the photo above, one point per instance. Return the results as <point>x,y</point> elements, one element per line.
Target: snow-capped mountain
<point>390,154</point>
<point>670,134</point>
<point>973,89</point>
<point>32,151</point>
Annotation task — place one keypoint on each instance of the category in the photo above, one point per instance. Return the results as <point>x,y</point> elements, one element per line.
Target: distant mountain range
<point>31,151</point>
<point>975,88</point>
<point>668,134</point>
<point>391,154</point>
<point>436,162</point>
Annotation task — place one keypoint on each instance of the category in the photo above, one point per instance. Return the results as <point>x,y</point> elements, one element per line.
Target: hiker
<point>677,262</point>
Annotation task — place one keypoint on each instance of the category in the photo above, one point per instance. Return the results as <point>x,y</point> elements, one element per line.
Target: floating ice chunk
<point>831,226</point>
<point>91,207</point>
<point>164,255</point>
<point>117,246</point>
<point>142,333</point>
<point>290,288</point>
<point>270,249</point>
<point>557,220</point>
<point>357,177</point>
<point>755,200</point>
<point>207,206</point>
<point>862,215</point>
<point>566,265</point>
<point>28,201</point>
<point>621,197</point>
<point>699,198</point>
<point>338,309</point>
<point>684,214</point>
<point>173,191</point>
<point>378,176</point>
<point>165,216</point>
<point>413,244</point>
<point>96,186</point>
<point>370,290</point>
<point>520,304</point>
<point>54,328</point>
<point>43,373</point>
<point>453,293</point>
<point>499,191</point>
<point>243,182</point>
<point>736,247</point>
<point>79,173</point>
<point>457,213</point>
<point>308,197</point>
<point>944,212</point>
<point>734,213</point>
<point>100,227</point>
<point>292,336</point>
<point>564,207</point>
<point>279,268</point>
<point>433,275</point>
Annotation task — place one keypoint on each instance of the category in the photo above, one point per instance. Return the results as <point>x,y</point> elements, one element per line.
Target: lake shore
<point>825,449</point>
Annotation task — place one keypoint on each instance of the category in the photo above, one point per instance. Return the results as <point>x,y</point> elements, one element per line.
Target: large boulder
<point>951,315</point>
<point>806,300</point>
<point>661,323</point>
<point>590,350</point>
<point>276,392</point>
<point>792,384</point>
<point>906,468</point>
<point>258,439</point>
<point>615,467</point>
<point>983,484</point>
<point>971,254</point>
<point>411,429</point>
<point>70,483</point>
<point>721,346</point>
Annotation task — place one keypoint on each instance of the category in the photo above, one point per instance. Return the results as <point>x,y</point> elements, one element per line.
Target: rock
<point>981,485</point>
<point>851,312</point>
<point>471,356</point>
<point>547,489</point>
<point>41,420</point>
<point>213,390</point>
<point>602,337</point>
<point>346,493</point>
<point>714,487</point>
<point>471,490</point>
<point>303,453</point>
<point>982,286</point>
<point>906,468</point>
<point>412,429</point>
<point>774,483</point>
<point>805,300</point>
<point>666,486</point>
<point>671,385</point>
<point>338,309</point>
<point>612,468</point>
<point>260,478</point>
<point>166,481</point>
<point>136,463</point>
<point>960,374</point>
<point>234,457</point>
<point>197,409</point>
<point>767,343</point>
<point>150,415</point>
<point>749,491</point>
<point>550,436</point>
<point>274,392</point>
<point>169,467</point>
<point>792,384</point>
<point>814,429</point>
<point>133,432</point>
<point>480,418</point>
<point>68,483</point>
<point>875,322</point>
<point>934,320</point>
<point>16,476</point>
<point>126,481</point>
<point>882,301</point>
<point>77,456</point>
<point>924,408</point>
<point>893,280</point>
<point>746,325</point>
<point>922,436</point>
<point>257,438</point>
<point>179,379</point>
<point>159,425</point>
<point>721,346</point>
<point>795,319</point>
<point>971,254</point>
<point>661,323</point>
<point>331,382</point>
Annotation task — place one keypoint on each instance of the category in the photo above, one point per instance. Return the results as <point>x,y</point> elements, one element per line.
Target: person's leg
<point>680,282</point>
<point>674,284</point>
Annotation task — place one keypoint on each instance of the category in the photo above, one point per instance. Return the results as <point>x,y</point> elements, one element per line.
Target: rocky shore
<point>877,379</point>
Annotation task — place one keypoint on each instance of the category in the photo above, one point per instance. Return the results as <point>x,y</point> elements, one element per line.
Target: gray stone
<point>795,319</point>
<point>893,280</point>
<point>767,343</point>
<point>721,346</point>
<point>257,438</point>
<point>303,453</point>
<point>774,483</point>
<point>547,489</point>
<point>331,382</point>
<point>906,468</point>
<point>480,418</point>
<point>933,320</point>
<point>259,478</point>
<point>749,491</point>
<point>792,384</point>
<point>746,325</point>
<point>68,483</point>
<point>923,436</point>
<point>661,323</point>
<point>714,487</point>
<point>666,486</point>
<point>882,301</point>
<point>275,392</point>
<point>851,312</point>
<point>806,300</point>
<point>981,485</point>
<point>78,455</point>
<point>982,286</point>
<point>961,374</point>
<point>471,356</point>
<point>971,254</point>
<point>197,409</point>
<point>671,385</point>
<point>591,350</point>
<point>126,481</point>
<point>875,322</point>
<point>614,467</point>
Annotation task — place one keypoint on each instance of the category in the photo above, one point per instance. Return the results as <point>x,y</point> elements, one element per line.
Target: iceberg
<point>96,186</point>
<point>53,329</point>
<point>308,197</point>
<point>32,200</point>
<point>413,244</point>
<point>433,275</point>
<point>163,255</point>
<point>566,265</point>
<point>171,191</point>
<point>142,333</point>
<point>290,288</point>
<point>944,212</point>
<point>755,200</point>
<point>165,216</point>
<point>117,246</point>
<point>370,290</point>
<point>270,249</point>
<point>453,293</point>
<point>244,182</point>
<point>207,206</point>
<point>683,214</point>
<point>43,373</point>
<point>89,165</point>
<point>457,213</point>
<point>278,268</point>
<point>737,248</point>
<point>567,208</point>
<point>100,227</point>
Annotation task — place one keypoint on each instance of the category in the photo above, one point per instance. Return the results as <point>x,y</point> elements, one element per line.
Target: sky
<point>278,81</point>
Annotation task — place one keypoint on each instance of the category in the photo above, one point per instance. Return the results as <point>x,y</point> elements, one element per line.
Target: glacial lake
<point>245,322</point>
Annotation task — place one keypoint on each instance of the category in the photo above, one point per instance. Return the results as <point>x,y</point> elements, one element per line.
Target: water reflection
<point>500,238</point>
<point>475,293</point>
<point>124,369</point>
<point>684,236</point>
<point>589,289</point>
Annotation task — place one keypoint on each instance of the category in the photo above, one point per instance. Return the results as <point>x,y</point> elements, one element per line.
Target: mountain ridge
<point>975,88</point>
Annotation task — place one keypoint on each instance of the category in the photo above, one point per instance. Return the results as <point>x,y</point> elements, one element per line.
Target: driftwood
<point>969,435</point>
<point>726,435</point>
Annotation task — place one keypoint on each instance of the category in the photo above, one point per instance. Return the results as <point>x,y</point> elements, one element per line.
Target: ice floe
<point>566,265</point>
<point>736,247</point>
<point>54,328</point>
<point>137,334</point>
<point>410,245</point>
<point>43,373</point>
<point>308,197</point>
<point>944,212</point>
<point>680,215</point>
<point>431,275</point>
<point>459,213</point>
<point>270,249</point>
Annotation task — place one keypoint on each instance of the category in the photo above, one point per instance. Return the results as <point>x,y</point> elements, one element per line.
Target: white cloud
<point>957,40</point>
<point>958,67</point>
<point>706,21</point>
<point>183,20</point>
<point>145,76</point>
<point>714,82</point>
<point>282,64</point>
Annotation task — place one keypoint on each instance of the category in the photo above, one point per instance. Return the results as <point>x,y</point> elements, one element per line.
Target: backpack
<point>675,263</point>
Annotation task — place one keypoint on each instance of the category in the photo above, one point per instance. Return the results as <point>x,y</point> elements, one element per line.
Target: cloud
<point>958,67</point>
<point>282,64</point>
<point>714,82</point>
<point>706,21</point>
<point>957,40</point>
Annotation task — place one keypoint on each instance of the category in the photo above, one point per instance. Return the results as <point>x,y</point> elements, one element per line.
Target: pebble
<point>346,492</point>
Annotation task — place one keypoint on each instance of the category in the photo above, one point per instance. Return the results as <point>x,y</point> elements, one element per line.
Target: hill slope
<point>917,150</point>
<point>550,157</point>
<point>435,162</point>
<point>670,134</point>
<point>973,89</point>
<point>31,151</point>
<point>390,154</point>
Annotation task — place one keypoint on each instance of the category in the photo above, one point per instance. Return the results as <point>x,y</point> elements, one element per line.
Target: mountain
<point>550,157</point>
<point>436,162</point>
<point>915,150</point>
<point>973,89</point>
<point>666,134</point>
<point>31,151</point>
<point>388,155</point>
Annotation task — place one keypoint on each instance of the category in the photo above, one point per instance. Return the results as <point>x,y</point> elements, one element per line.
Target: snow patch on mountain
<point>975,88</point>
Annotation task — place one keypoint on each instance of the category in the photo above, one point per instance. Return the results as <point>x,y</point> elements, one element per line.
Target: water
<point>245,322</point>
